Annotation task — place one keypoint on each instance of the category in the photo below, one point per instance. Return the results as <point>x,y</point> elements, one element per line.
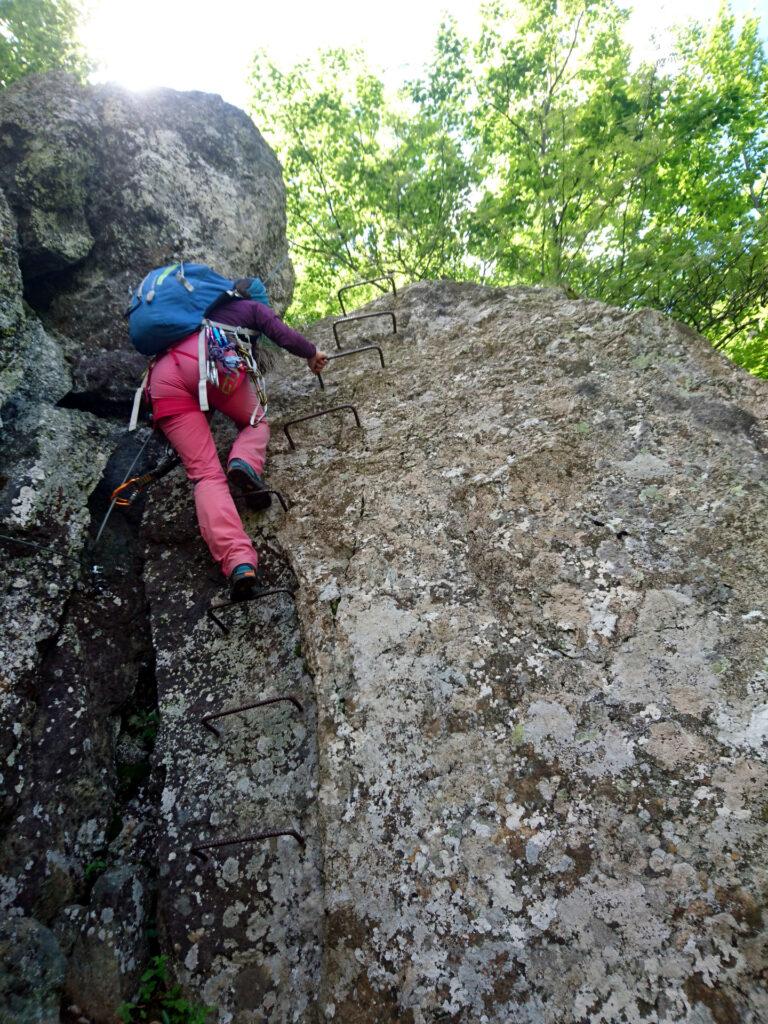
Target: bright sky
<point>195,44</point>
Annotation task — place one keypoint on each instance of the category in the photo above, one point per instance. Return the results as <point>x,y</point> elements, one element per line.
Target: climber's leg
<point>251,443</point>
<point>220,524</point>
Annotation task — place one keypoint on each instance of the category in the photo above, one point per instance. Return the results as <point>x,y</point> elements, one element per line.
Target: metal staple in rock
<point>206,720</point>
<point>315,415</point>
<point>198,851</point>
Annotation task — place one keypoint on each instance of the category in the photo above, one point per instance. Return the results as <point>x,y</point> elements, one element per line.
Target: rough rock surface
<point>528,638</point>
<point>245,925</point>
<point>530,597</point>
<point>96,185</point>
<point>106,184</point>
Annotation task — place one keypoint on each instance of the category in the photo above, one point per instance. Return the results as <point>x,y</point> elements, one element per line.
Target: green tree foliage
<point>539,154</point>
<point>556,120</point>
<point>629,186</point>
<point>371,186</point>
<point>39,35</point>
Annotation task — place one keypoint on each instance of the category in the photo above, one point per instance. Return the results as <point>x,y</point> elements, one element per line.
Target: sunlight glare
<point>141,44</point>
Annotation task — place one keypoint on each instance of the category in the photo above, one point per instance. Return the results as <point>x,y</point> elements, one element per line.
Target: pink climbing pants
<point>173,387</point>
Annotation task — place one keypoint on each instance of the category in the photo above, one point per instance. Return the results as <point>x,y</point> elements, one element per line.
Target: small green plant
<point>159,1000</point>
<point>94,868</point>
<point>143,726</point>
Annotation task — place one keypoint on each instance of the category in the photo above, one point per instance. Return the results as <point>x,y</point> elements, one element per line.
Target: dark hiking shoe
<point>247,481</point>
<point>242,582</point>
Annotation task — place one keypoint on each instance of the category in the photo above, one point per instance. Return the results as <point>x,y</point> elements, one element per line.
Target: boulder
<point>11,312</point>
<point>31,973</point>
<point>97,186</point>
<point>529,650</point>
<point>11,307</point>
<point>109,954</point>
<point>106,184</point>
<point>536,643</point>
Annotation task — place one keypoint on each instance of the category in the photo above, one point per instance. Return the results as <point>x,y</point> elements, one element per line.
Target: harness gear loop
<point>133,422</point>
<point>230,346</point>
<point>203,363</point>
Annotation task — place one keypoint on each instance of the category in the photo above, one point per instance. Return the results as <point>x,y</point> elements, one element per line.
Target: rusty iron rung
<point>316,415</point>
<point>359,284</point>
<point>353,352</point>
<point>206,720</point>
<point>285,504</point>
<point>280,498</point>
<point>362,316</point>
<point>228,603</point>
<point>198,851</point>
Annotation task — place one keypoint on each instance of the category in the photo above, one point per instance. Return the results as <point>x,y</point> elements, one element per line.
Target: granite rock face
<point>105,184</point>
<point>518,765</point>
<point>532,628</point>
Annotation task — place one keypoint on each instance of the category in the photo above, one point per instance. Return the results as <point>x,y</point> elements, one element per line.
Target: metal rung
<point>286,504</point>
<point>362,316</point>
<point>207,719</point>
<point>315,415</point>
<point>198,851</point>
<point>359,284</point>
<point>5,539</point>
<point>353,352</point>
<point>217,605</point>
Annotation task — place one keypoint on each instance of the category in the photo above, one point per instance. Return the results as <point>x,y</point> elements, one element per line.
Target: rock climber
<point>173,388</point>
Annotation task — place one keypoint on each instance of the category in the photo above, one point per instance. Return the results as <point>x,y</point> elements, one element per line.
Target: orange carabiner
<point>125,501</point>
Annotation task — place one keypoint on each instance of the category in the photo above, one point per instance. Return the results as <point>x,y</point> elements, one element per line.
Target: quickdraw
<point>128,491</point>
<point>118,498</point>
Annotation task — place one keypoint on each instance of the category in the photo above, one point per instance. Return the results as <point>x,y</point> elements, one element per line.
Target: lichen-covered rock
<point>11,311</point>
<point>531,592</point>
<point>106,184</point>
<point>244,926</point>
<point>31,973</point>
<point>47,141</point>
<point>538,682</point>
<point>528,638</point>
<point>100,185</point>
<point>11,307</point>
<point>112,947</point>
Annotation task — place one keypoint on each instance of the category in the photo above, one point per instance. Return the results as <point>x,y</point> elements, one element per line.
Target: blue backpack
<point>172,302</point>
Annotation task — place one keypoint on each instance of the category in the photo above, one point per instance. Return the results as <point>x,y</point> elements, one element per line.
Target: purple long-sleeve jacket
<point>258,317</point>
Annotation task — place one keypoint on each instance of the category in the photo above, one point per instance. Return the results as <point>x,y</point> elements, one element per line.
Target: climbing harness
<point>224,352</point>
<point>229,349</point>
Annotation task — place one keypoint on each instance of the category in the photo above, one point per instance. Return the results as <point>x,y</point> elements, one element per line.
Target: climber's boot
<point>243,581</point>
<point>247,481</point>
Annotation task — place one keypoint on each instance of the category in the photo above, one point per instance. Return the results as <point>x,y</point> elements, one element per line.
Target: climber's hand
<point>318,362</point>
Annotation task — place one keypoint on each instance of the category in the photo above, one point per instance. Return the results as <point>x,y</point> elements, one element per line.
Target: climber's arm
<point>259,317</point>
